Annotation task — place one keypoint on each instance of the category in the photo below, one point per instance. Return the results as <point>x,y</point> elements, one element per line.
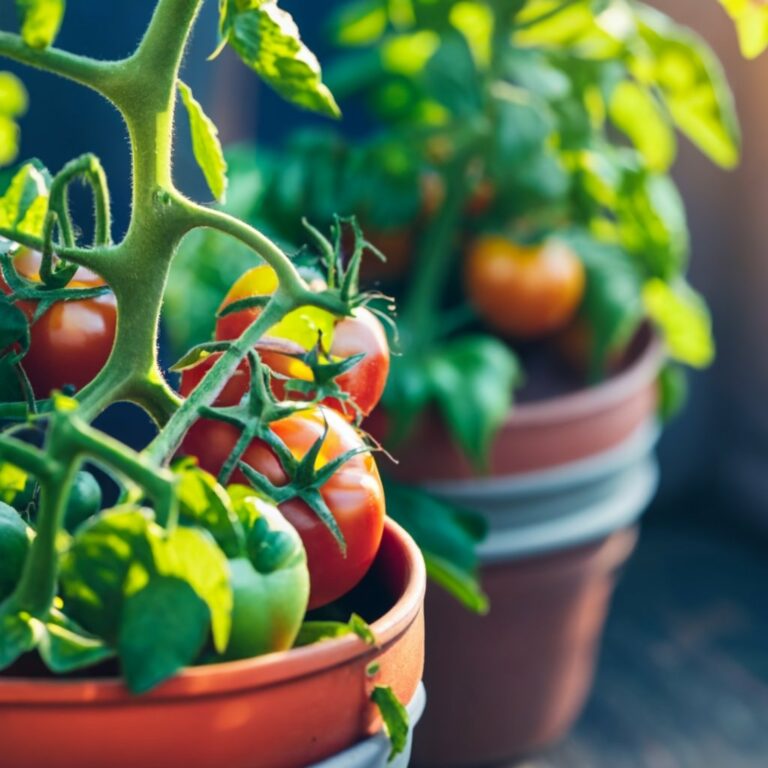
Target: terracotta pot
<point>515,680</point>
<point>547,433</point>
<point>284,710</point>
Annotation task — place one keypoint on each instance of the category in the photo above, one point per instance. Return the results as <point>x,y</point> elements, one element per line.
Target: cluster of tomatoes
<point>71,341</point>
<point>354,493</point>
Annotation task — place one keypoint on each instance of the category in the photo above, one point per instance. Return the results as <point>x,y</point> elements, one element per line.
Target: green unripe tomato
<point>15,539</point>
<point>270,587</point>
<point>84,501</point>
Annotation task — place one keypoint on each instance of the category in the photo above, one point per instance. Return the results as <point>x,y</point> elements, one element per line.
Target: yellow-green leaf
<point>13,95</point>
<point>40,21</point>
<point>267,40</point>
<point>205,144</point>
<point>636,112</point>
<point>692,84</point>
<point>683,319</point>
<point>751,19</point>
<point>27,195</point>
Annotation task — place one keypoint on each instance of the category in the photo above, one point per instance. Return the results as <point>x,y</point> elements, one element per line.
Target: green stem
<point>36,589</point>
<point>26,457</point>
<point>435,264</point>
<point>287,274</point>
<point>101,76</point>
<point>168,441</point>
<point>95,259</point>
<point>290,280</point>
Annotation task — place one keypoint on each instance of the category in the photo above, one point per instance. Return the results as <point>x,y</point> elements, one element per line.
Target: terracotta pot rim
<point>261,671</point>
<point>594,399</point>
<point>558,477</point>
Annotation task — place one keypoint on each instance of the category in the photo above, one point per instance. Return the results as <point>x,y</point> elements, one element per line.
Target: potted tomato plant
<point>208,616</point>
<point>517,181</point>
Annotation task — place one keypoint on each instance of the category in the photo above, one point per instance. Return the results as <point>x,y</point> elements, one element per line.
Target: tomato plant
<point>524,291</point>
<point>214,568</point>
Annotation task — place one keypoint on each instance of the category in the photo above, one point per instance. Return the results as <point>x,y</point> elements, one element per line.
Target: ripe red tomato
<point>524,291</point>
<point>70,343</point>
<point>353,494</point>
<point>360,334</point>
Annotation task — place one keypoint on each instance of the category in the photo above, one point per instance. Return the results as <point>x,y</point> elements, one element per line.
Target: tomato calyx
<point>324,383</point>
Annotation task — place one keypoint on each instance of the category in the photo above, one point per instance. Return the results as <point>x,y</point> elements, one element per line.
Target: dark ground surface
<point>683,678</point>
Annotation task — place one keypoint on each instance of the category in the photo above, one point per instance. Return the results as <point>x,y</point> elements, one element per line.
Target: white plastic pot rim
<point>621,509</point>
<point>374,752</point>
<point>640,443</point>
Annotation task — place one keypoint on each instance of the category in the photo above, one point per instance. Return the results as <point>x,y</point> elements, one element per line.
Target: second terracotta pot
<point>511,682</point>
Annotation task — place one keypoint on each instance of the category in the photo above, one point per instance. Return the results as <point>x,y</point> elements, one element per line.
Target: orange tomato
<point>524,291</point>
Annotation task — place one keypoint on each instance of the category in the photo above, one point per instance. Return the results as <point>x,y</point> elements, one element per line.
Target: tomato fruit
<point>71,341</point>
<point>524,291</point>
<point>84,501</point>
<point>353,494</point>
<point>361,334</point>
<point>270,585</point>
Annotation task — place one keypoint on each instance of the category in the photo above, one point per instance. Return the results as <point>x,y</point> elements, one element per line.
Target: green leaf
<point>463,586</point>
<point>267,40</point>
<point>13,95</point>
<point>447,535</point>
<point>612,302</point>
<point>14,326</point>
<point>17,636</point>
<point>312,632</point>
<point>205,144</point>
<point>361,628</point>
<point>203,502</point>
<point>316,631</point>
<point>95,568</point>
<point>120,550</point>
<point>40,21</point>
<point>395,716</point>
<point>473,380</point>
<point>652,223</point>
<point>163,628</point>
<point>682,317</point>
<point>13,481</point>
<point>25,201</point>
<point>751,18</point>
<point>673,391</point>
<point>191,555</point>
<point>359,23</point>
<point>65,647</point>
<point>692,84</point>
<point>635,112</point>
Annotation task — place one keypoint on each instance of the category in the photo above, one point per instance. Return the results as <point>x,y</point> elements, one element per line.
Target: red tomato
<point>71,342</point>
<point>353,494</point>
<point>360,334</point>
